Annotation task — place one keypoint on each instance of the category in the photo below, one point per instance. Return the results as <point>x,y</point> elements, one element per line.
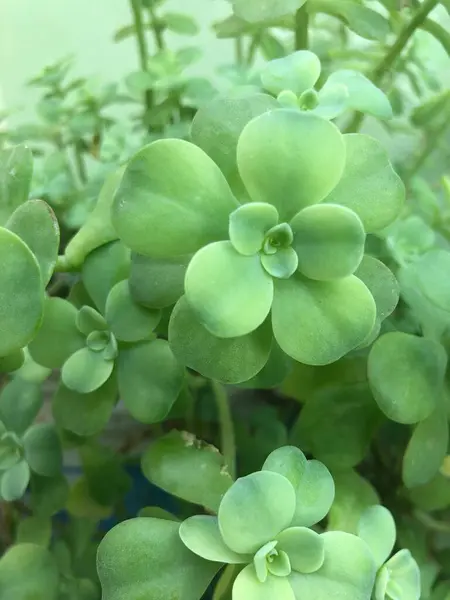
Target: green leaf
<point>102,269</point>
<point>406,374</point>
<point>329,241</point>
<point>128,321</point>
<point>179,23</point>
<point>14,481</point>
<point>105,476</point>
<point>10,449</point>
<point>254,11</point>
<point>84,414</point>
<point>304,547</point>
<point>348,571</point>
<point>439,32</point>
<point>434,495</point>
<point>34,530</point>
<point>36,224</point>
<point>12,361</point>
<point>82,505</point>
<point>353,495</point>
<point>282,264</point>
<point>333,101</point>
<point>58,337</point>
<point>172,200</point>
<point>296,72</point>
<point>249,224</point>
<point>230,294</point>
<point>218,124</point>
<point>41,580</point>
<point>20,402</point>
<point>86,370</point>
<point>16,169</point>
<point>228,360</point>
<point>310,159</point>
<point>364,21</point>
<point>377,528</point>
<point>21,293</point>
<point>434,286</point>
<point>150,380</point>
<point>48,494</point>
<point>201,535</point>
<point>271,47</point>
<point>381,283</point>
<point>43,451</point>
<point>274,372</point>
<point>399,578</point>
<point>363,95</point>
<point>157,282</point>
<point>318,322</point>
<point>255,510</point>
<point>89,320</point>
<point>248,587</point>
<point>426,450</point>
<point>145,558</point>
<point>369,185</point>
<point>185,467</point>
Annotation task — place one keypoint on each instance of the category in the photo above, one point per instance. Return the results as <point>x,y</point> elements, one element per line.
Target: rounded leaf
<point>86,370</point>
<point>430,268</point>
<point>247,586</point>
<point>304,547</point>
<point>381,283</point>
<point>406,374</point>
<point>310,158</point>
<point>201,535</point>
<point>282,264</point>
<point>369,185</point>
<point>43,451</point>
<point>14,481</point>
<point>399,578</point>
<point>128,321</point>
<point>296,72</point>
<point>329,241</point>
<point>172,200</point>
<point>255,510</point>
<point>230,294</point>
<point>20,403</point>
<point>254,11</point>
<point>89,320</point>
<point>318,322</point>
<point>377,528</point>
<point>228,360</point>
<point>249,224</point>
<point>150,379</point>
<point>21,293</point>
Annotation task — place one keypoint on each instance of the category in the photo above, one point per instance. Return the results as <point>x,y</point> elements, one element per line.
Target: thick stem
<point>301,28</point>
<point>387,61</point>
<point>136,9</point>
<point>154,26</point>
<point>226,427</point>
<point>253,48</point>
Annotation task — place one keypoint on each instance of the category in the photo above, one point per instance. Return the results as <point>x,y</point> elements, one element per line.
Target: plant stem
<point>157,33</point>
<point>301,28</point>
<point>253,48</point>
<point>387,61</point>
<point>239,50</point>
<point>226,427</point>
<point>136,9</point>
<point>79,159</point>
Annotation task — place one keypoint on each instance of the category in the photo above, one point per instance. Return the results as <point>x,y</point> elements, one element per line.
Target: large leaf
<point>377,528</point>
<point>248,587</point>
<point>145,558</point>
<point>43,449</point>
<point>172,200</point>
<point>406,375</point>
<point>296,72</point>
<point>187,468</point>
<point>16,169</point>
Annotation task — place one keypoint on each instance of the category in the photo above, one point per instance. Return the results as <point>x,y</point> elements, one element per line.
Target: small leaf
<point>399,578</point>
<point>364,21</point>
<point>150,380</point>
<point>89,320</point>
<point>48,494</point>
<point>296,72</point>
<point>406,375</point>
<point>377,528</point>
<point>179,23</point>
<point>255,510</point>
<point>381,283</point>
<point>29,571</point>
<point>181,465</point>
<point>230,294</point>
<point>36,224</point>
<point>14,481</point>
<point>43,449</point>
<point>249,224</point>
<point>282,264</point>
<point>201,535</point>
<point>304,547</point>
<point>333,101</point>
<point>254,11</point>
<point>145,558</point>
<point>20,402</point>
<point>248,587</point>
<point>429,269</point>
<point>16,169</point>
<point>86,370</point>
<point>34,530</point>
<point>228,360</point>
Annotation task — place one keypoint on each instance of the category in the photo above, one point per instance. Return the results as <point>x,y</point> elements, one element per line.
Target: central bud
<point>280,236</point>
<point>270,560</point>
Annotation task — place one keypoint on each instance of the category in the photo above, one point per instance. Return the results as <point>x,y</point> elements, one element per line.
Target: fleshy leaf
<point>230,294</point>
<point>282,264</point>
<point>145,558</point>
<point>35,223</point>
<point>314,495</point>
<point>228,360</point>
<point>201,535</point>
<point>34,530</point>
<point>16,170</point>
<point>218,124</point>
<point>369,185</point>
<point>150,379</point>
<point>58,337</point>
<point>172,200</point>
<point>310,159</point>
<point>89,320</point>
<point>318,322</point>
<point>86,370</point>
<point>333,101</point>
<point>43,449</point>
<point>399,579</point>
<point>426,449</point>
<point>297,72</point>
<point>255,510</point>
<point>288,461</point>
<point>304,547</point>
<point>406,374</point>
<point>249,224</point>
<point>329,241</point>
<point>381,283</point>
<point>348,571</point>
<point>429,269</point>
<point>48,494</point>
<point>157,282</point>
<point>14,481</point>
<point>128,321</point>
<point>21,293</point>
<point>377,528</point>
<point>353,495</point>
<point>248,587</point>
<point>185,467</point>
<point>20,402</point>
